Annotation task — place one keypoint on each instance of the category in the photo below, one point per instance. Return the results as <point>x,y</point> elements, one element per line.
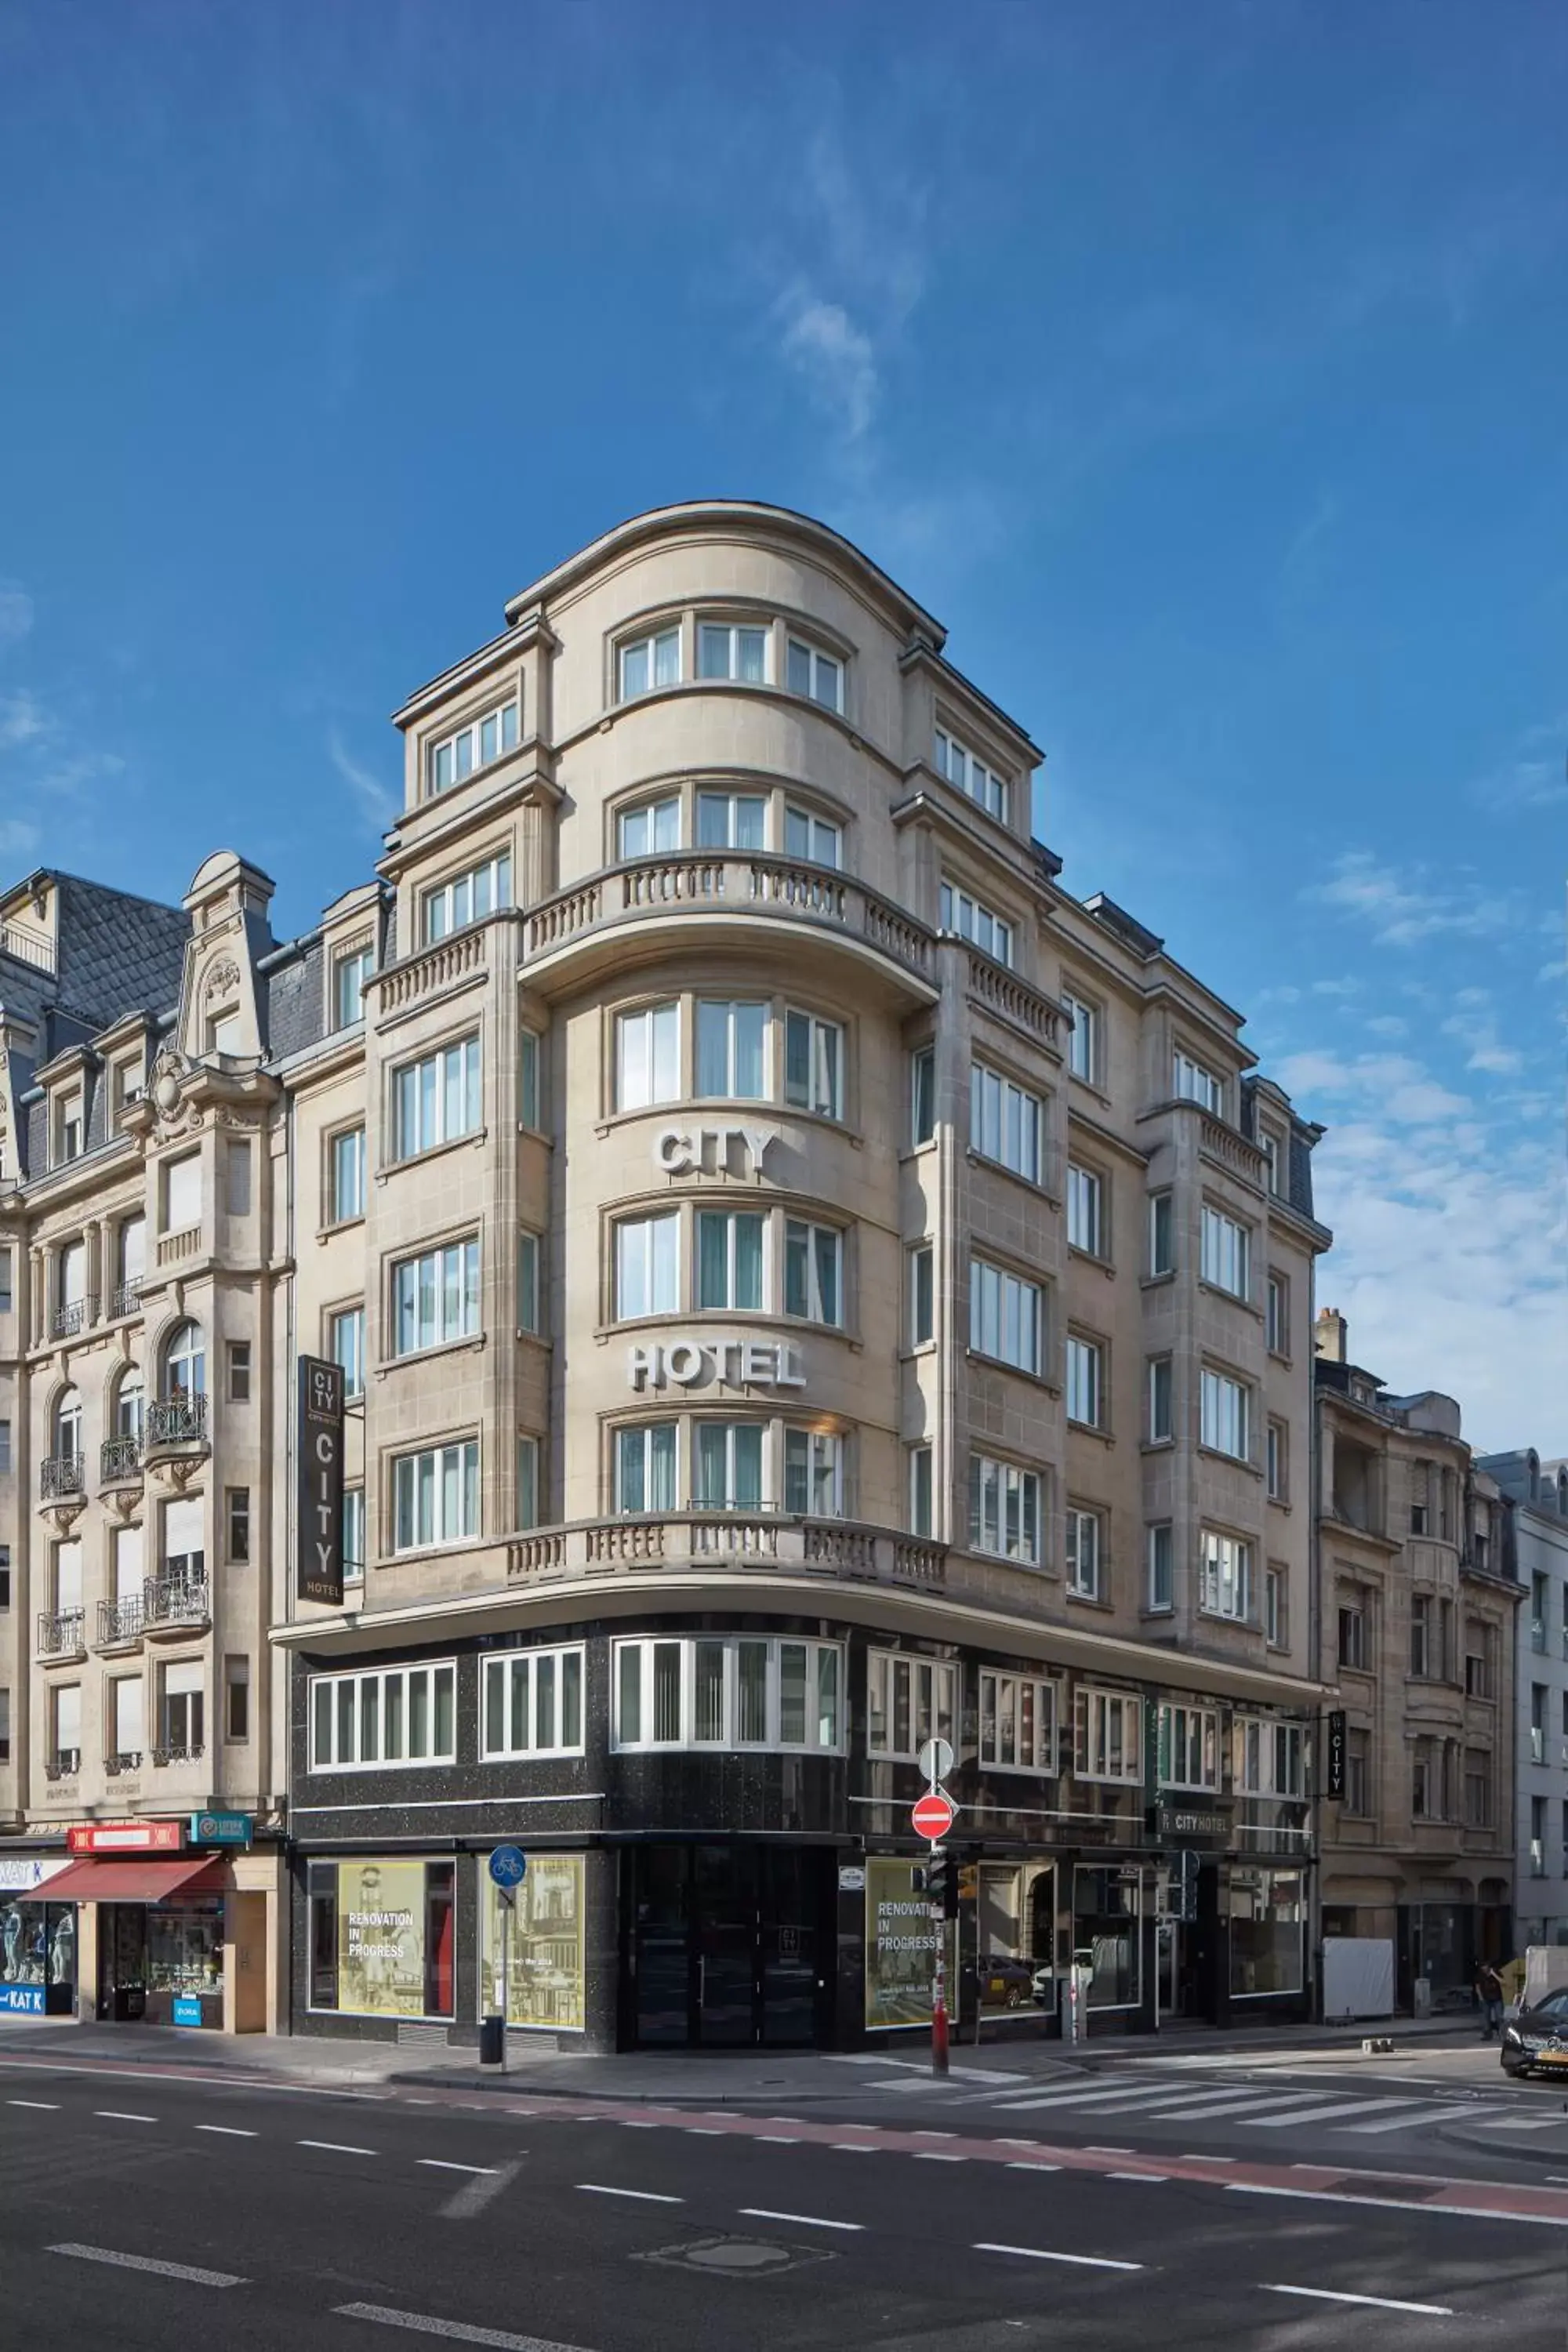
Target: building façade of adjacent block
<point>1419,1596</point>
<point>807,1284</point>
<point>1537,1493</point>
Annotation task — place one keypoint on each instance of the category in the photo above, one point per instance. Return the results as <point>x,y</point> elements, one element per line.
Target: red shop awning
<point>135,1878</point>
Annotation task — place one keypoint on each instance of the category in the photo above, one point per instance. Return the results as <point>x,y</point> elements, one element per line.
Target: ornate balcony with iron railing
<point>164,1756</point>
<point>63,1765</point>
<point>120,1461</point>
<point>121,1621</point>
<point>172,1603</point>
<point>61,1476</point>
<point>125,1298</point>
<point>64,1634</point>
<point>174,1425</point>
<point>72,1318</point>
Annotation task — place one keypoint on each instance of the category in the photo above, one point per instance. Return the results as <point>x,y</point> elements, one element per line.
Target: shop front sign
<point>712,1150</point>
<point>1182,1823</point>
<point>220,1829</point>
<point>126,1837</point>
<point>187,2009</point>
<point>718,1363</point>
<point>21,1872</point>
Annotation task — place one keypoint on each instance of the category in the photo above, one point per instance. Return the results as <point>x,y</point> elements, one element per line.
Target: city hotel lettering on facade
<point>707,1150</point>
<point>724,1363</point>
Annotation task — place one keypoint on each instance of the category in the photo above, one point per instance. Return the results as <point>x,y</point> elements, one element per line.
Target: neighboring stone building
<point>807,1283</point>
<point>1419,1599</point>
<point>1537,1492</point>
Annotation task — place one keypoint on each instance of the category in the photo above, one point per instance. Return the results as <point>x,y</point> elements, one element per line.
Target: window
<point>236,1170</point>
<point>1479,1680</point>
<point>730,1050</point>
<point>129,1081</point>
<point>908,1700</point>
<point>1273,1152</point>
<point>223,1032</point>
<point>975,921</point>
<point>184,1541</point>
<point>1004,1122</point>
<point>414,1903</point>
<point>815,675</point>
<point>1358,1775</point>
<point>238,1352</point>
<point>650,829</point>
<point>182,1192</point>
<point>392,1715</point>
<point>728,1691</point>
<point>1162,1234</point>
<point>126,1719</point>
<point>1017,1723</point>
<point>1084,1532</point>
<point>813,839</point>
<point>814,1474</point>
<point>1268,1758</point>
<point>472,746</point>
<point>354,1535</point>
<point>922,1294</point>
<point>1160,1423</point>
<point>182,1708</point>
<point>982,785</point>
<point>729,1253</point>
<point>345,1345</point>
<point>132,1252</point>
<point>813,1065</point>
<point>1278,1314</point>
<point>530,1285</point>
<point>813,1272</point>
<point>1275,1589</point>
<point>1192,1083</point>
<point>1005,1315</point>
<point>648,1265</point>
<point>1478,1793</point>
<point>436,1099</point>
<point>435,1497</point>
<point>922,1508</point>
<point>1083,1036</point>
<point>184,1362</point>
<point>1355,1647</point>
<point>528,1489</point>
<point>5,1449</point>
<point>4,1576</point>
<point>1003,1509</point>
<point>1085,1381</point>
<point>346,1177</point>
<point>435,1297</point>
<point>1226,1259</point>
<point>732,821</point>
<point>727,1466</point>
<point>533,1704</point>
<point>1421,1809</point>
<point>65,1706</point>
<point>68,1128</point>
<point>1162,1578</point>
<point>644,1467</point>
<point>466,899</point>
<point>1085,1194</point>
<point>733,650</point>
<point>1226,1415</point>
<point>1108,1743</point>
<point>5,1301</point>
<point>1226,1576</point>
<point>648,662</point>
<point>528,1096</point>
<point>5,1726</point>
<point>1420,1498</point>
<point>237,1698</point>
<point>1189,1747</point>
<point>66,1579</point>
<point>648,1057</point>
<point>351,970</point>
<point>238,1515</point>
<point>923,1095</point>
<point>67,1426</point>
<point>1277,1461</point>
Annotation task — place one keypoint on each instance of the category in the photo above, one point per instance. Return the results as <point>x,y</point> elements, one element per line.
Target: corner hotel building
<point>807,1283</point>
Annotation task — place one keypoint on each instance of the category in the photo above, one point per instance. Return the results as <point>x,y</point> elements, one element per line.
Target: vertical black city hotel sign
<point>321,1481</point>
<point>1334,1757</point>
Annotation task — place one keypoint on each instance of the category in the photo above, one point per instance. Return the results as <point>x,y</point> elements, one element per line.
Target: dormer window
<point>223,1031</point>
<point>128,1076</point>
<point>973,778</point>
<point>68,1128</point>
<point>351,970</point>
<point>458,757</point>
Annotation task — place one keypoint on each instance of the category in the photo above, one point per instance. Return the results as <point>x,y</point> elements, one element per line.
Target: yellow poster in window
<point>901,1947</point>
<point>544,1972</point>
<point>381,1937</point>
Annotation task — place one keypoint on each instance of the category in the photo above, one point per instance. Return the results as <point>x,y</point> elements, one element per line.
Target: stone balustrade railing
<point>836,1549</point>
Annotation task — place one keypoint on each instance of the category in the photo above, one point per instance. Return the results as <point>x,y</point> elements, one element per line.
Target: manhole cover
<point>736,2257</point>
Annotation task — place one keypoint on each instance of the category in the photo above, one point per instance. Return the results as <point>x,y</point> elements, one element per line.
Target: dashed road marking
<point>186,2271</point>
<point>121,2115</point>
<point>228,2131</point>
<point>422,2323</point>
<point>802,2220</point>
<point>1046,2254</point>
<point>642,2196</point>
<point>1377,2301</point>
<point>335,2147</point>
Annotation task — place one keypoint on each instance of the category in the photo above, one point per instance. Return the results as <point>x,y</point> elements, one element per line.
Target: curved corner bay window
<point>644,1467</point>
<point>395,1715</point>
<point>648,1057</point>
<point>381,1937</point>
<point>435,1297</point>
<point>815,675</point>
<point>813,1272</point>
<point>728,1260</point>
<point>731,1050</point>
<point>732,821</point>
<point>814,1474</point>
<point>1017,1722</point>
<point>650,828</point>
<point>736,651</point>
<point>647,663</point>
<point>727,1466</point>
<point>1268,1932</point>
<point>435,1497</point>
<point>648,1265</point>
<point>813,1065</point>
<point>729,1691</point>
<point>533,1704</point>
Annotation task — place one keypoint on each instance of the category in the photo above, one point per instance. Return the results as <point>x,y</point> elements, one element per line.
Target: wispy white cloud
<point>833,358</point>
<point>16,613</point>
<point>1401,909</point>
<point>23,719</point>
<point>377,803</point>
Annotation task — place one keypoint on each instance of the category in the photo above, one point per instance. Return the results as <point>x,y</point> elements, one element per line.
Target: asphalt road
<point>168,2210</point>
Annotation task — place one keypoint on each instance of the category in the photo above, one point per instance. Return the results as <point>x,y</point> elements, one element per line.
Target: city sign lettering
<point>705,1151</point>
<point>1334,1778</point>
<point>320,1471</point>
<point>1186,1821</point>
<point>730,1363</point>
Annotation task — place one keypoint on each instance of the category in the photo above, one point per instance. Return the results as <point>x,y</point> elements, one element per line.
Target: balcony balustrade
<point>60,1477</point>
<point>170,1601</point>
<point>747,1537</point>
<point>125,1298</point>
<point>72,1318</point>
<point>120,1461</point>
<point>121,1621</point>
<point>64,1634</point>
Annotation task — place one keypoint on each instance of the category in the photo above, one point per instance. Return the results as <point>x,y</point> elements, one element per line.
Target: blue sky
<point>1204,369</point>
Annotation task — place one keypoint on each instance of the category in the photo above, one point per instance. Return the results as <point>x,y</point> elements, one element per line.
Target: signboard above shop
<point>126,1837</point>
<point>220,1829</point>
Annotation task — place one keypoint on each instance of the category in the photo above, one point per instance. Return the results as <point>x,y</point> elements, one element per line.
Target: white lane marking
<point>45,2107</point>
<point>1393,2204</point>
<point>227,2131</point>
<point>476,2194</point>
<point>779,2139</point>
<point>1327,2114</point>
<point>1226,2103</point>
<point>1137,2175</point>
<point>642,2196</point>
<point>423,2325</point>
<point>631,2122</point>
<point>439,2164</point>
<point>805,2221</point>
<point>1520,2123</point>
<point>937,2156</point>
<point>121,2115</point>
<point>1022,2164</point>
<point>1191,2156</point>
<point>1426,2112</point>
<point>1378,2302</point>
<point>929,2133</point>
<point>1111,2151</point>
<point>1042,2254</point>
<point>1072,2099</point>
<point>145,2262</point>
<point>335,2147</point>
<point>705,2131</point>
<point>854,2147</point>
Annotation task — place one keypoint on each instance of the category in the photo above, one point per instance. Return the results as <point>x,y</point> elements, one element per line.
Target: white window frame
<point>922,1491</point>
<point>511,1685</point>
<point>732,1425</point>
<point>1086,1211</point>
<point>1225,1254</point>
<point>345,1345</point>
<point>1002,1708</point>
<point>976,779</point>
<point>529,1472</point>
<point>1084,1385</point>
<point>730,1006</point>
<point>1276,1603</point>
<point>797,649</point>
<point>816,1307</point>
<point>1162,1567</point>
<point>969,918</point>
<point>1161,1400</point>
<point>330,1686</point>
<point>730,1302</point>
<point>920,1259</point>
<point>1108,1737</point>
<point>1188,1742</point>
<point>1005,1122</point>
<point>653,1030</point>
<point>406,1475</point>
<point>466,750</point>
<point>1224,1409</point>
<point>646,1430</point>
<point>1268,1758</point>
<point>345,1155</point>
<point>1006,1317</point>
<point>1277,1314</point>
<point>530,1299</point>
<point>1005,1499</point>
<point>354,1535</point>
<point>452,905</point>
<point>823,834</point>
<point>1225,1565</point>
<point>348,1001</point>
<point>731,632</point>
<point>1277,1450</point>
<point>1193,1081</point>
<point>922,1097</point>
<point>1085,1552</point>
<point>729,833</point>
<point>658,1292</point>
<point>815,1456</point>
<point>457,1066</point>
<point>932,1702</point>
<point>661,814</point>
<point>826,1668</point>
<point>661,648</point>
<point>823,1094</point>
<point>1161,1244</point>
<point>1083,1036</point>
<point>426,1275</point>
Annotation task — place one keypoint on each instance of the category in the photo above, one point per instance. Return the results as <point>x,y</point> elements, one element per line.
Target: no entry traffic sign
<point>934,1815</point>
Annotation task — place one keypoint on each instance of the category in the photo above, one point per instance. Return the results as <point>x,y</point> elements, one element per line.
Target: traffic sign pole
<point>939,1986</point>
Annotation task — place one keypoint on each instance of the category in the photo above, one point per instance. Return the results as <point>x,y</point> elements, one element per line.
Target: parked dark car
<point>1536,2040</point>
<point>1005,1983</point>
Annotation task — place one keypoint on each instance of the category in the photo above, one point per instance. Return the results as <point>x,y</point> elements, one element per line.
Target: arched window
<point>130,1404</point>
<point>185,1362</point>
<point>67,1426</point>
